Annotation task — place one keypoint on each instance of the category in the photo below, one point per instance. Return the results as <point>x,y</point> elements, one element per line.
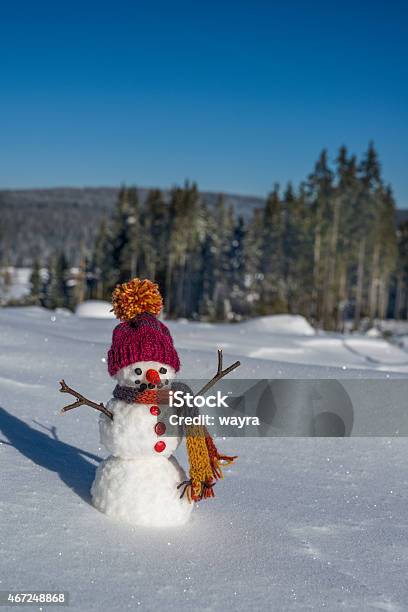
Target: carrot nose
<point>152,376</point>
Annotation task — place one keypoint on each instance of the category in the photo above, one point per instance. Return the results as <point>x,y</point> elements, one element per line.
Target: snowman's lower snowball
<point>141,491</point>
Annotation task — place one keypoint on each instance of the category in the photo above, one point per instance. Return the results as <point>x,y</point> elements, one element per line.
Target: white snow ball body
<point>131,434</point>
<point>142,492</point>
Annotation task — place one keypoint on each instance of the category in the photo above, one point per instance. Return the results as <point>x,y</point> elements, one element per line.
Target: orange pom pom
<point>137,296</point>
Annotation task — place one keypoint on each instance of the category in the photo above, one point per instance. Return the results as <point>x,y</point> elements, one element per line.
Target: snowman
<point>141,482</point>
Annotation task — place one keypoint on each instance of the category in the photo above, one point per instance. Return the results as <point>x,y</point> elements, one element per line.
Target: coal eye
<point>138,371</point>
<point>163,370</point>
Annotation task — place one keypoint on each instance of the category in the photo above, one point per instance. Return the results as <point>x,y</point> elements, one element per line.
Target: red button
<point>155,410</point>
<point>160,428</point>
<point>159,446</point>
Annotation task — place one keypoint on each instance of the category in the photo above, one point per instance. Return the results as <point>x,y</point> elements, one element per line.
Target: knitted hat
<point>140,336</point>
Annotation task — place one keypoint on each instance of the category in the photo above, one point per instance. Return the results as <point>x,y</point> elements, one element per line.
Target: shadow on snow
<point>51,453</point>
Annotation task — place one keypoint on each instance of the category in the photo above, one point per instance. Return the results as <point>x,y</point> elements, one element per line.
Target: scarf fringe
<point>217,461</point>
<point>196,492</point>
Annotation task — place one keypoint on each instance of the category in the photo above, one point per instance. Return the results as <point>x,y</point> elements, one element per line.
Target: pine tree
<point>345,237</point>
<point>101,263</point>
<point>237,267</point>
<point>253,277</point>
<point>118,240</point>
<point>194,262</point>
<point>387,239</point>
<point>130,235</point>
<point>222,243</point>
<point>272,262</point>
<point>368,204</point>
<point>401,282</point>
<point>79,294</point>
<point>292,247</point>
<point>298,243</point>
<point>208,268</point>
<point>57,295</point>
<point>36,283</point>
<point>186,233</point>
<point>320,187</point>
<point>154,237</point>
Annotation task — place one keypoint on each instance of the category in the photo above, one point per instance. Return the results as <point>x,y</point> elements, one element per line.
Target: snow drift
<point>95,309</point>
<point>281,324</point>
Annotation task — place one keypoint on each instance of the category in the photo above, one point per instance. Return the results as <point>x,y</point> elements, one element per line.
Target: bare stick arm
<point>220,373</point>
<point>82,401</point>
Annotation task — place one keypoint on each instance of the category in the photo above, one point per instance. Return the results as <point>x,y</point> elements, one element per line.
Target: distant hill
<point>39,221</point>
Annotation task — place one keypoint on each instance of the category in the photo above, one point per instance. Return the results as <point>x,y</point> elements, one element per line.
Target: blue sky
<point>235,95</point>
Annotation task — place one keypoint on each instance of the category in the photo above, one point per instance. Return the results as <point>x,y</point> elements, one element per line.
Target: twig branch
<point>220,373</point>
<point>82,401</point>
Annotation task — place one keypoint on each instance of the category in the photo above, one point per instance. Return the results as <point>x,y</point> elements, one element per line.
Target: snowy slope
<point>297,524</point>
<point>262,339</point>
<point>95,309</point>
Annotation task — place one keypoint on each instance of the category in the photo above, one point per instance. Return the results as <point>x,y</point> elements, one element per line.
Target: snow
<point>294,351</point>
<point>142,491</point>
<point>297,524</point>
<point>95,309</point>
<point>373,332</point>
<point>281,324</point>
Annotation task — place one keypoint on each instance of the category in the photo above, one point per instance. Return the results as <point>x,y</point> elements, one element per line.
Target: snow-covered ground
<point>297,524</point>
<point>95,309</point>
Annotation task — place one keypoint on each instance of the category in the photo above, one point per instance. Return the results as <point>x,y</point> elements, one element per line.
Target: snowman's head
<point>141,342</point>
<point>144,375</point>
